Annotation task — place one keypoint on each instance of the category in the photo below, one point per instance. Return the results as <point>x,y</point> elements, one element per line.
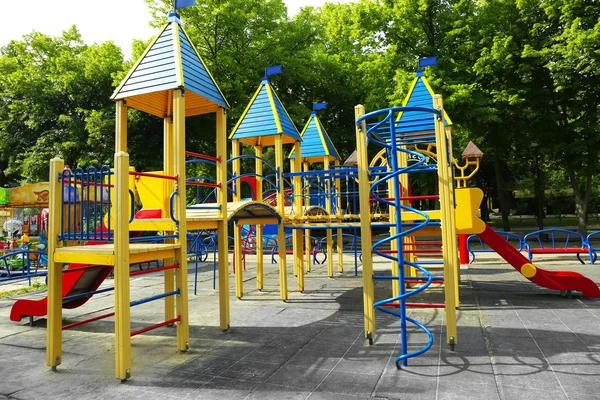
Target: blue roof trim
<point>195,76</point>
<point>260,117</point>
<point>158,69</point>
<point>155,70</point>
<point>312,141</point>
<point>287,126</point>
<point>332,150</point>
<point>418,121</point>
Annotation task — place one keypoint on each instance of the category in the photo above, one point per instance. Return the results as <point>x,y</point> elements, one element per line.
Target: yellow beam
<point>259,228</point>
<point>237,229</point>
<point>283,290</point>
<point>150,225</point>
<point>393,230</point>
<point>452,216</point>
<point>54,323</point>
<point>181,300</point>
<point>168,226</point>
<point>223,240</point>
<point>297,236</point>
<point>199,225</point>
<point>307,241</point>
<point>340,237</point>
<point>121,271</point>
<point>121,126</point>
<point>365,224</point>
<point>445,183</point>
<point>329,233</point>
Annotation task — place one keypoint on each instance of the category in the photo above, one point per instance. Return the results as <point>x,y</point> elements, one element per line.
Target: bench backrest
<point>554,238</point>
<point>476,245</point>
<point>593,240</point>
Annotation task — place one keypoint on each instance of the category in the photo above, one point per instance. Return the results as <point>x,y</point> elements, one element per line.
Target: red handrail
<point>202,156</point>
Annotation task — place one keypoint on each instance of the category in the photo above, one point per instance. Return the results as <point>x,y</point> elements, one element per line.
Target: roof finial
<point>426,62</point>
<point>273,70</point>
<point>178,4</point>
<point>318,106</point>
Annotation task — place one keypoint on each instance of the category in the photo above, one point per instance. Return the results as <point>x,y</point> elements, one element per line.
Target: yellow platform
<point>104,254</point>
<point>206,216</point>
<point>407,216</point>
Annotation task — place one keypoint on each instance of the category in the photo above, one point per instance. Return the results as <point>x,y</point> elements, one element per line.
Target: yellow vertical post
<point>283,291</point>
<point>412,257</point>
<point>54,323</point>
<point>222,238</point>
<point>298,237</point>
<point>328,209</point>
<point>181,300</point>
<point>121,126</point>
<point>448,133</point>
<point>169,275</point>
<point>121,271</point>
<point>307,242</point>
<point>365,223</point>
<point>259,228</point>
<point>448,225</point>
<point>295,213</point>
<point>340,237</point>
<point>393,232</point>
<point>237,229</point>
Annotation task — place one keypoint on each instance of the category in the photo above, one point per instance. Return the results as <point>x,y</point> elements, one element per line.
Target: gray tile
<point>275,392</point>
<point>298,377</point>
<point>250,370</point>
<point>313,359</point>
<point>352,383</point>
<point>406,386</point>
<point>454,390</point>
<point>528,393</point>
<point>224,388</point>
<point>335,396</point>
<point>364,365</point>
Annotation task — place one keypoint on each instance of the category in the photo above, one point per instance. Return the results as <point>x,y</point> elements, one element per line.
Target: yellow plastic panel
<point>468,201</point>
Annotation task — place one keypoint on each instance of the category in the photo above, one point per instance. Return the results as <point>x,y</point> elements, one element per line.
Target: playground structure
<point>180,87</point>
<point>94,226</point>
<point>21,257</point>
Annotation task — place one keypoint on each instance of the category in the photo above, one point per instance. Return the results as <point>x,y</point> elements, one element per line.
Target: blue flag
<point>184,3</point>
<point>320,106</point>
<point>273,70</point>
<point>427,62</point>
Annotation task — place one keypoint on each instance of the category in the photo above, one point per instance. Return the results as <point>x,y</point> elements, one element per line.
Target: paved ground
<point>516,341</point>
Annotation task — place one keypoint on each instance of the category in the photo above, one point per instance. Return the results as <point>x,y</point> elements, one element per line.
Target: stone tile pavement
<point>516,341</point>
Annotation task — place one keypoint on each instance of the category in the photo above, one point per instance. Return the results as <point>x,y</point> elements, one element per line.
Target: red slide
<point>557,280</point>
<point>82,281</point>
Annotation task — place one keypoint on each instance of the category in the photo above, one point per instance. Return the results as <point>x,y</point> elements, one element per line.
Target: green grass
<point>35,287</point>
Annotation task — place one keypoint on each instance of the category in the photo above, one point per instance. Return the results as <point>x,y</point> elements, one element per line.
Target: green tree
<point>49,89</point>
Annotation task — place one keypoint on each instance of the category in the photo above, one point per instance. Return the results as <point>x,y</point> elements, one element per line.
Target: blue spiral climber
<point>387,133</point>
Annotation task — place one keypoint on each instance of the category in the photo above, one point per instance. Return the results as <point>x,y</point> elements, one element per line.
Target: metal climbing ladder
<point>399,143</point>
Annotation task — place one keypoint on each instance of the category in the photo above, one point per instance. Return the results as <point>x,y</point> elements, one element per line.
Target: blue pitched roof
<point>420,94</point>
<point>264,118</point>
<point>316,143</point>
<point>170,62</point>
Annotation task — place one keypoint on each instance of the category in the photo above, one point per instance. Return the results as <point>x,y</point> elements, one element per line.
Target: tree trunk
<point>539,193</point>
<point>502,195</point>
<point>582,200</point>
<point>485,211</point>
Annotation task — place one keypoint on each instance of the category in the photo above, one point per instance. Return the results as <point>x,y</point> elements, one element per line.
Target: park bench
<point>557,241</point>
<point>476,245</point>
<point>593,245</point>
